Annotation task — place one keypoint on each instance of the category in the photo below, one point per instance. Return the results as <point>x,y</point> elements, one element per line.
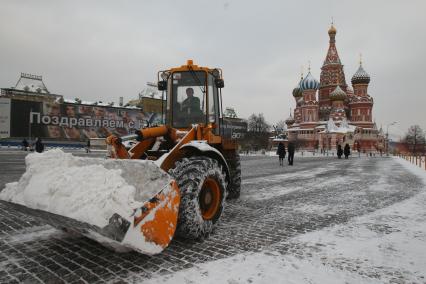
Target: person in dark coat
<point>25,144</point>
<point>88,146</point>
<point>291,149</point>
<point>39,146</point>
<point>281,153</point>
<point>347,151</point>
<point>339,151</point>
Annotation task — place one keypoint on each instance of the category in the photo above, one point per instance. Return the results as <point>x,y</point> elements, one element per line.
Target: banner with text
<point>80,122</point>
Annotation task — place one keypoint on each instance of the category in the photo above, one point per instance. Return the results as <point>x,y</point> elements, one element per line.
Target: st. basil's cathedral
<point>340,115</point>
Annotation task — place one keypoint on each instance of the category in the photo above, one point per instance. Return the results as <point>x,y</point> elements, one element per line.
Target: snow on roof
<point>31,83</point>
<point>150,92</point>
<point>70,101</point>
<point>344,127</point>
<point>298,128</point>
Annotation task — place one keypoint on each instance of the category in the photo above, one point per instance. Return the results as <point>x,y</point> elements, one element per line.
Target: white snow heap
<point>344,124</point>
<point>86,189</point>
<point>331,126</point>
<point>343,128</point>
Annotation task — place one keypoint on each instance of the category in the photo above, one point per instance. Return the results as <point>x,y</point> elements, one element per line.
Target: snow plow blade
<point>104,200</point>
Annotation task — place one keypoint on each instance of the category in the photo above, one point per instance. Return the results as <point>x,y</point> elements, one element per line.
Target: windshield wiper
<point>198,81</point>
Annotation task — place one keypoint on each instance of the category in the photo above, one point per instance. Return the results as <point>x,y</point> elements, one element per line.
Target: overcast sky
<point>101,50</point>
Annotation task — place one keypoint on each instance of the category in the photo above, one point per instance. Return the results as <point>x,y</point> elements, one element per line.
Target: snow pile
<point>331,126</point>
<point>87,189</point>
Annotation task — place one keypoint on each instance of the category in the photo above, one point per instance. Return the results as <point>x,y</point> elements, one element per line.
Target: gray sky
<point>101,50</point>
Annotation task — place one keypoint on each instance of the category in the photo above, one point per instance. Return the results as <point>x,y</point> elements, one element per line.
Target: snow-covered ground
<point>387,245</point>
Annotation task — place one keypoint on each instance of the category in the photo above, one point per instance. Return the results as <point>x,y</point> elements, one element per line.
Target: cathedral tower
<point>361,104</point>
<point>309,87</point>
<point>332,75</point>
<point>297,94</point>
<point>337,97</point>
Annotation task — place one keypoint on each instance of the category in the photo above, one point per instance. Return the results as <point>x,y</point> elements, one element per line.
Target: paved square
<point>276,203</point>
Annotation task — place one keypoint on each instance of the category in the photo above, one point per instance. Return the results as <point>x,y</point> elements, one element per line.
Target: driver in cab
<point>191,105</point>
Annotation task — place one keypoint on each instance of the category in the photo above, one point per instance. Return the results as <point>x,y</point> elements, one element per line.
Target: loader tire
<point>202,186</point>
<point>234,187</point>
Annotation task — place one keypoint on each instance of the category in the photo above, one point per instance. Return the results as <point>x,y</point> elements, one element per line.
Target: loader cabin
<point>193,96</point>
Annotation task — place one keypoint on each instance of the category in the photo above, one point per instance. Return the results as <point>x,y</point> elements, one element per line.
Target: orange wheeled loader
<point>193,145</point>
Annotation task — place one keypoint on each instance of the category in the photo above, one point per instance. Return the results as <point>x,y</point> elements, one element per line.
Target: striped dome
<point>297,92</point>
<point>338,94</point>
<point>360,76</point>
<point>290,120</point>
<point>309,83</point>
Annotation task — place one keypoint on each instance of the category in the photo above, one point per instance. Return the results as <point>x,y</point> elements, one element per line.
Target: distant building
<point>29,110</point>
<point>150,100</point>
<point>340,115</point>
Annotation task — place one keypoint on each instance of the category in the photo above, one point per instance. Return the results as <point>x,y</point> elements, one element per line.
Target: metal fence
<point>418,160</point>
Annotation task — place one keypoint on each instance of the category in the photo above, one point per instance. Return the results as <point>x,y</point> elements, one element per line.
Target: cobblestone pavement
<point>277,203</point>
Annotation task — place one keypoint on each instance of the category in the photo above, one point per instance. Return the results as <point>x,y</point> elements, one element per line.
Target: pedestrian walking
<point>290,149</point>
<point>88,146</point>
<point>339,151</point>
<point>39,146</point>
<point>347,151</point>
<point>281,153</point>
<point>25,144</point>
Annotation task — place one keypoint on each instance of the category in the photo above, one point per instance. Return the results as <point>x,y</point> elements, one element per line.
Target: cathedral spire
<point>332,75</point>
<point>332,56</point>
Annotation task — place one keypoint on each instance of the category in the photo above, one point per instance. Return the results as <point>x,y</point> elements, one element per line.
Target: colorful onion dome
<point>297,92</point>
<point>309,83</point>
<point>338,94</point>
<point>290,120</point>
<point>332,30</point>
<point>360,76</point>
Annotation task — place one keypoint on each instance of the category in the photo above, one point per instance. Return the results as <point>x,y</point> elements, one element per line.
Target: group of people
<point>38,145</point>
<point>281,152</point>
<point>346,151</point>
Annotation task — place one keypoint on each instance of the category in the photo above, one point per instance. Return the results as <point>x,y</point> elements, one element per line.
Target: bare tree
<point>257,123</point>
<point>281,126</point>
<point>415,139</point>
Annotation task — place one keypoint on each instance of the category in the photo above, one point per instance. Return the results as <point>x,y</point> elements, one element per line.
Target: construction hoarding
<point>78,122</point>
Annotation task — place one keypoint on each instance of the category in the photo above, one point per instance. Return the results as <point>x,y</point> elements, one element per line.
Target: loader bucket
<point>123,204</point>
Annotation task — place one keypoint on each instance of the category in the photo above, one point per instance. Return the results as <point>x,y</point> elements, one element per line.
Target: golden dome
<point>332,30</point>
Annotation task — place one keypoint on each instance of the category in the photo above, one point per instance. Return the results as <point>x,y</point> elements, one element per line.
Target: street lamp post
<point>387,137</point>
<point>29,126</point>
<point>328,139</point>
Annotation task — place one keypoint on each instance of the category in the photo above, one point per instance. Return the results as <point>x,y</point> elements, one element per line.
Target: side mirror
<point>219,83</point>
<point>162,85</point>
